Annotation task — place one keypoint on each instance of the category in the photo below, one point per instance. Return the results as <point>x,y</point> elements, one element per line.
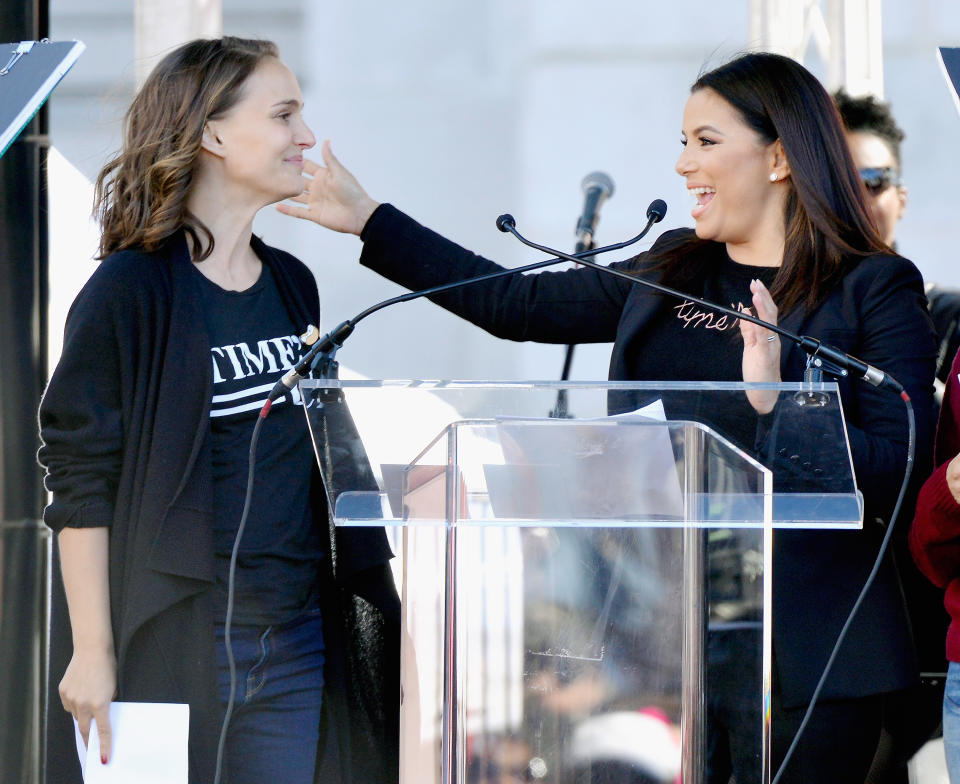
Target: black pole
<point>560,407</point>
<point>23,357</point>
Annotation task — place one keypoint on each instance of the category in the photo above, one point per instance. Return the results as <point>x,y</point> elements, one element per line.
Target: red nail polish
<point>103,759</point>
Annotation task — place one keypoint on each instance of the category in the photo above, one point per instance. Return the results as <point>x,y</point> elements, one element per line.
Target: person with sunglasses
<point>912,716</point>
<point>874,139</point>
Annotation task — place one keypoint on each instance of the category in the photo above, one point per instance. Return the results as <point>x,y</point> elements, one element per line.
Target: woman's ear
<point>779,166</point>
<point>210,141</point>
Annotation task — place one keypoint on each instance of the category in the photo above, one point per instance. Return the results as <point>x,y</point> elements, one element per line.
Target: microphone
<point>656,212</point>
<point>597,188</point>
<point>332,341</point>
<point>819,352</point>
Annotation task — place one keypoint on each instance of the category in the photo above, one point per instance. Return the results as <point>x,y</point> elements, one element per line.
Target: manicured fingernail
<point>103,759</point>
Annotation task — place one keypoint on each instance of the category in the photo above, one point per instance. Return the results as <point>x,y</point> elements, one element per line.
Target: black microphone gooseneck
<point>335,337</point>
<point>820,352</point>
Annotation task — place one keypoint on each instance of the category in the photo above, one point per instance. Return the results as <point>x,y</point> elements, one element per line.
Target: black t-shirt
<point>687,342</point>
<point>253,342</point>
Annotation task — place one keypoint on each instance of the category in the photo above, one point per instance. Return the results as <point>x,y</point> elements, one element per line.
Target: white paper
<point>652,410</point>
<point>569,469</point>
<point>149,745</point>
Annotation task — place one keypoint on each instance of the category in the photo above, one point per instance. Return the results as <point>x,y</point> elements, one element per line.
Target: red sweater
<point>935,533</point>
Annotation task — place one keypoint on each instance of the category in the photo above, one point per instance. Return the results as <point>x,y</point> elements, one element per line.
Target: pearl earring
<point>773,176</point>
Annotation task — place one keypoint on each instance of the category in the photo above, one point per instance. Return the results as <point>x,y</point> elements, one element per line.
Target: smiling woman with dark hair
<point>781,227</point>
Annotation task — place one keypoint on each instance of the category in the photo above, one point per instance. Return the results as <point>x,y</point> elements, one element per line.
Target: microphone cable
<point>884,544</point>
<point>231,580</point>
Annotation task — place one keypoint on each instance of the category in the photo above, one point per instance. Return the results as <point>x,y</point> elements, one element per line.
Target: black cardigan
<point>877,313</point>
<point>125,429</point>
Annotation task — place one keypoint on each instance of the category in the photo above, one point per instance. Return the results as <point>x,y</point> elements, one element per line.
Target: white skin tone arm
<point>90,681</point>
<point>334,199</point>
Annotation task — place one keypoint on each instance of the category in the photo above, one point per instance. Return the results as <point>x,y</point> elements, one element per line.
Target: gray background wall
<point>458,111</point>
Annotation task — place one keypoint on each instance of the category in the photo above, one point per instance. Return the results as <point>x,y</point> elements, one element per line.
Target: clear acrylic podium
<point>570,585</point>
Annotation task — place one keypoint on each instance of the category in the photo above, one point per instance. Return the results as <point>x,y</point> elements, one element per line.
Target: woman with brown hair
<point>169,352</point>
<point>782,228</point>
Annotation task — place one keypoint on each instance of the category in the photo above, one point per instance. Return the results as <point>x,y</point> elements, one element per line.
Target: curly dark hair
<point>865,114</point>
<point>140,195</point>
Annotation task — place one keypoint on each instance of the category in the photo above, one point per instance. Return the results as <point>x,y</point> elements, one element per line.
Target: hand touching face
<point>333,197</point>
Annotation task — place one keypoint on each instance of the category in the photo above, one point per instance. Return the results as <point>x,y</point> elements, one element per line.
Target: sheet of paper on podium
<point>29,70</point>
<point>149,745</point>
<point>583,469</point>
<point>950,63</point>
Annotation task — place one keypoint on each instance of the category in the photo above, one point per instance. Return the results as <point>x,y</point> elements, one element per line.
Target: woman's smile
<point>702,196</point>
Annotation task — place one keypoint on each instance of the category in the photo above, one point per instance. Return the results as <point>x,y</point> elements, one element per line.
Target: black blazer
<point>877,313</point>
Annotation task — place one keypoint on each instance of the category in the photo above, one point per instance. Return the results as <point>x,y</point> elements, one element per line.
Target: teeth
<point>699,193</point>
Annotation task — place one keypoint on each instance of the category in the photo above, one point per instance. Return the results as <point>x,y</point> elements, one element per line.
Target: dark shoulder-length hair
<point>140,195</point>
<point>828,228</point>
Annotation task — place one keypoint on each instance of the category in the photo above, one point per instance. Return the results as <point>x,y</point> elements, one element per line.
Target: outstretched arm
<point>580,305</point>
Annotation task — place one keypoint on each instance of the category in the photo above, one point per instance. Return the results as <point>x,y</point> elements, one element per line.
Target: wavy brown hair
<point>827,220</point>
<point>140,196</point>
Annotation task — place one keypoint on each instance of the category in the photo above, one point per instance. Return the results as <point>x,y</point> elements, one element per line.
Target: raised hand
<point>761,348</point>
<point>332,197</point>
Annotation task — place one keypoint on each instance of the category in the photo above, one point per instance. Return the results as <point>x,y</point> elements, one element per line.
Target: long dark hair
<point>140,196</point>
<point>828,225</point>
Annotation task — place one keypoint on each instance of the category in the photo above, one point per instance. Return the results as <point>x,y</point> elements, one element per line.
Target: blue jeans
<point>951,722</point>
<point>274,728</point>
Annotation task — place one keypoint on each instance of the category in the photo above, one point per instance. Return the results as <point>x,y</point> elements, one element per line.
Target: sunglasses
<point>877,179</point>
